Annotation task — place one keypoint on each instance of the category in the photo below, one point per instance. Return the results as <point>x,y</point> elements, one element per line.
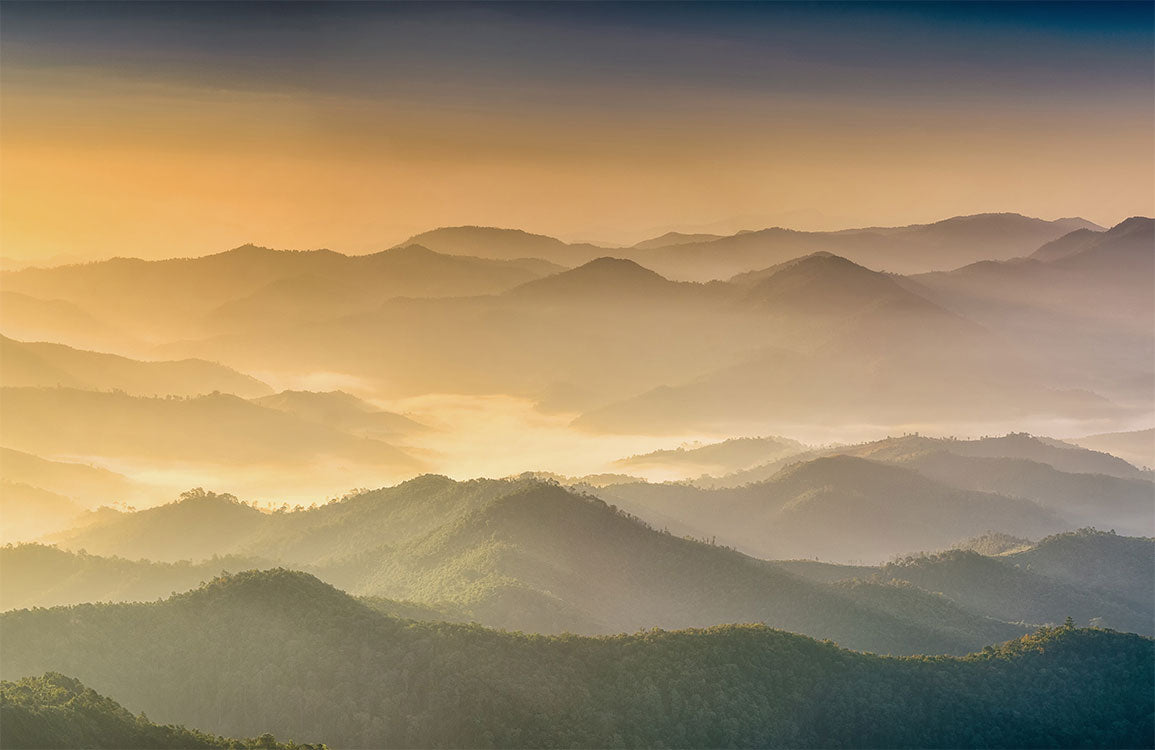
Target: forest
<point>280,648</point>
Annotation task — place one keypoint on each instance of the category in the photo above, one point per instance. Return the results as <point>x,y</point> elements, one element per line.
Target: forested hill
<point>56,711</point>
<point>281,651</point>
<point>523,555</point>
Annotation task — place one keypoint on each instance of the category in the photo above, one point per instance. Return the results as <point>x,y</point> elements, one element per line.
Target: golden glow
<point>96,170</point>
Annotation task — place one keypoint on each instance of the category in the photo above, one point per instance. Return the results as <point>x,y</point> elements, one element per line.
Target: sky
<point>170,129</point>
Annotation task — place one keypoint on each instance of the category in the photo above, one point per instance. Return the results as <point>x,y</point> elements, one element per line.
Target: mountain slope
<point>1096,559</point>
<point>40,365</point>
<point>36,575</point>
<point>55,711</point>
<point>1136,447</point>
<point>837,508</point>
<point>735,454</point>
<point>1092,576</point>
<point>605,281</point>
<point>29,511</point>
<point>280,651</point>
<point>527,555</point>
<point>217,428</point>
<point>342,411</point>
<point>917,248</point>
<point>1081,499</point>
<point>504,244</point>
<point>254,288</point>
<point>1014,446</point>
<point>1084,315</point>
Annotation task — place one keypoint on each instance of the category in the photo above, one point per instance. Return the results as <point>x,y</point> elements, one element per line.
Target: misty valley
<point>658,569</point>
<point>398,374</point>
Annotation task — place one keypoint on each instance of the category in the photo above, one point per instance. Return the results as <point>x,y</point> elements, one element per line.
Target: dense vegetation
<point>524,555</point>
<point>55,711</point>
<point>281,651</point>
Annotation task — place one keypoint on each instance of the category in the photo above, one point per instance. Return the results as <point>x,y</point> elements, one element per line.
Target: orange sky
<point>101,159</point>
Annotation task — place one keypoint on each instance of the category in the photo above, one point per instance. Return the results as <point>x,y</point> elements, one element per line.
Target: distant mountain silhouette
<point>1013,447</point>
<point>1084,315</point>
<point>504,244</point>
<point>255,288</point>
<point>1068,244</point>
<point>1087,574</point>
<point>911,249</point>
<point>838,508</point>
<point>47,365</point>
<point>606,281</point>
<point>1136,447</point>
<point>29,318</point>
<point>38,496</point>
<point>213,428</point>
<point>30,511</point>
<point>723,457</point>
<point>342,411</point>
<point>825,284</point>
<point>675,238</point>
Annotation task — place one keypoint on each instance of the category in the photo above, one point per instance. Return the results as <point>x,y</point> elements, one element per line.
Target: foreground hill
<point>280,651</point>
<point>533,556</point>
<point>55,711</point>
<point>40,365</point>
<point>837,508</point>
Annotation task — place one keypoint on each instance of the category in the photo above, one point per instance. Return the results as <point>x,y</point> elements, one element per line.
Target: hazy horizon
<point>167,129</point>
<point>577,374</point>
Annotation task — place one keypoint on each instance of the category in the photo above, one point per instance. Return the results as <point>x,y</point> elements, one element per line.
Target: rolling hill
<point>504,244</point>
<point>217,428</point>
<point>1090,575</point>
<point>56,711</point>
<point>37,575</point>
<point>1083,314</point>
<point>281,651</point>
<point>253,288</point>
<point>1136,447</point>
<point>531,556</point>
<point>342,411</point>
<point>917,248</point>
<point>837,508</point>
<point>43,365</point>
<point>723,457</point>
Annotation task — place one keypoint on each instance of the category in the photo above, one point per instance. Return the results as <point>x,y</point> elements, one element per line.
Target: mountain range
<point>281,651</point>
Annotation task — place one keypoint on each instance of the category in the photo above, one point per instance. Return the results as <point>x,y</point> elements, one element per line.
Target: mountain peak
<point>601,278</point>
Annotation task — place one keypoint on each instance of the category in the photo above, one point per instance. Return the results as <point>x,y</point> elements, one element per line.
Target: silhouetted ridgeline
<point>281,651</point>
